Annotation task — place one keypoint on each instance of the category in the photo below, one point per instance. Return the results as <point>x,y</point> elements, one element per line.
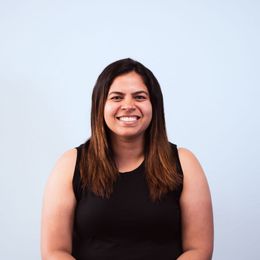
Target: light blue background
<point>206,56</point>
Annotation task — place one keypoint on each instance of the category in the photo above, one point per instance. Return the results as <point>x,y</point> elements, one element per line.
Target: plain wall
<point>205,55</point>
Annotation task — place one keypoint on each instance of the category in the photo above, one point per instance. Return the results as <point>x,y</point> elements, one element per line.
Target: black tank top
<point>128,225</point>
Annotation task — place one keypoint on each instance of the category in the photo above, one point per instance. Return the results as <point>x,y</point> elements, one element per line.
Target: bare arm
<point>196,208</point>
<point>58,210</point>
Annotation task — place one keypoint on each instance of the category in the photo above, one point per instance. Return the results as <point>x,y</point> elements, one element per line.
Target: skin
<point>128,96</point>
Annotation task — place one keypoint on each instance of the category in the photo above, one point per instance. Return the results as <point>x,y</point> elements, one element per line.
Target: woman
<point>127,193</point>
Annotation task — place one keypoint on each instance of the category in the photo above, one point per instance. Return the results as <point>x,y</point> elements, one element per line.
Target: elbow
<point>198,253</point>
<point>48,255</point>
<point>206,253</point>
<point>209,253</point>
<point>57,255</point>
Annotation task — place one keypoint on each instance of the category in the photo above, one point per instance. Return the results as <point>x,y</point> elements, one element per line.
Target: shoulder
<point>186,157</point>
<point>194,176</point>
<point>189,162</point>
<point>58,189</point>
<point>194,181</point>
<point>67,161</point>
<point>68,157</point>
<point>186,154</point>
<point>63,171</point>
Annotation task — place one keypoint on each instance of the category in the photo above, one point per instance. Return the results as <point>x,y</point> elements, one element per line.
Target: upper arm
<point>58,207</point>
<point>196,207</point>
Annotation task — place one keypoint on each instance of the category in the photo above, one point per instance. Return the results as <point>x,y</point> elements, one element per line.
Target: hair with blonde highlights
<point>97,166</point>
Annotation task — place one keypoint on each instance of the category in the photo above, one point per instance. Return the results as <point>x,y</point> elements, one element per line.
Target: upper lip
<point>128,116</point>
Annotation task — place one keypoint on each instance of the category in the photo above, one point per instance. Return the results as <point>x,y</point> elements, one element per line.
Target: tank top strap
<point>76,182</point>
<point>176,155</point>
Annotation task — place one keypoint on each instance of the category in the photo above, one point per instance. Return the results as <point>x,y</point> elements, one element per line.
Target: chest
<point>128,212</point>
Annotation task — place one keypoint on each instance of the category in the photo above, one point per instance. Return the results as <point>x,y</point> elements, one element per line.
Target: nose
<point>128,105</point>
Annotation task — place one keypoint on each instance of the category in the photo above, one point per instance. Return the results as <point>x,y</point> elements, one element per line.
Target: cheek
<point>109,111</point>
<point>148,111</point>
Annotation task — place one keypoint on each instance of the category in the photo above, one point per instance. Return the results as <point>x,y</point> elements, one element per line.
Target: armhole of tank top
<point>179,168</point>
<point>178,164</point>
<point>176,155</point>
<point>76,181</point>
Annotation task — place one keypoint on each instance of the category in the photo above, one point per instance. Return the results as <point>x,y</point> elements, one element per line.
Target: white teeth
<point>128,118</point>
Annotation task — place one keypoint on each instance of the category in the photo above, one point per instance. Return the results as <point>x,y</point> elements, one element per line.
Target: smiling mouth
<point>128,118</point>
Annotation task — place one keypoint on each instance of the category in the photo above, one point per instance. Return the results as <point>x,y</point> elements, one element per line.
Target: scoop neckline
<point>134,170</point>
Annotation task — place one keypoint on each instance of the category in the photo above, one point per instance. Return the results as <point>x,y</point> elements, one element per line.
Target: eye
<point>140,97</point>
<point>116,98</point>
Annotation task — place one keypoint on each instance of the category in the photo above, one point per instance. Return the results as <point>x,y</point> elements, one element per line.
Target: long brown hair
<point>97,166</point>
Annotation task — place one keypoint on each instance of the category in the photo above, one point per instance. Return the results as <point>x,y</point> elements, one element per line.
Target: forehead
<point>131,81</point>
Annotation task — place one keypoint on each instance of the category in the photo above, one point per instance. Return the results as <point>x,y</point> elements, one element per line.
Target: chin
<point>128,135</point>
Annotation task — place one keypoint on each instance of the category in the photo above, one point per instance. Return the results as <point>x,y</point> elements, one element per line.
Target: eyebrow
<point>134,93</point>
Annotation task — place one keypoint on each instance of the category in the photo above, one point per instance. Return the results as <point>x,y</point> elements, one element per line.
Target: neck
<point>128,153</point>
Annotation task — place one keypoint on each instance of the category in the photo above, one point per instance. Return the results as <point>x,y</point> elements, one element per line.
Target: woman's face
<point>128,109</point>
